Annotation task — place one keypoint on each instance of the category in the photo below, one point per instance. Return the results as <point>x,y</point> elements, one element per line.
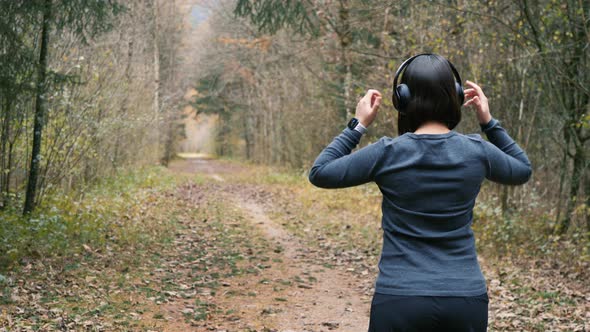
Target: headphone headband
<point>404,65</point>
<point>401,93</point>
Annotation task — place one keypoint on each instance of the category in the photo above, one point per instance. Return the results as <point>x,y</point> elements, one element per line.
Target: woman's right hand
<point>475,96</point>
<point>366,109</point>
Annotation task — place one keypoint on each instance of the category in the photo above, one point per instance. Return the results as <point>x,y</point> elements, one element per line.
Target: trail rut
<point>322,298</point>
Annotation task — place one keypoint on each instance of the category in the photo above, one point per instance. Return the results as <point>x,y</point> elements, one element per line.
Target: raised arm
<point>336,167</point>
<point>507,162</point>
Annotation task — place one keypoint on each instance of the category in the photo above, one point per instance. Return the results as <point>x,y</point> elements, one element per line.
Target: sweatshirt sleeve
<point>336,167</point>
<point>507,162</point>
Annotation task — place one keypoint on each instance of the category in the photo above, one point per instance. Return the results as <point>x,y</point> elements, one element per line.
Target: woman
<point>430,175</point>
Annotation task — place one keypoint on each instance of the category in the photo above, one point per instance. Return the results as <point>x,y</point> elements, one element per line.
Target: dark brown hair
<point>434,95</point>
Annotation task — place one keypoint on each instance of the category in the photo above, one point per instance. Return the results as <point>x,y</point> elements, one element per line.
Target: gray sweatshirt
<point>429,184</point>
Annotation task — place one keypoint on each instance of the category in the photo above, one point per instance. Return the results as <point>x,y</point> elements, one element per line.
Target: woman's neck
<point>432,128</point>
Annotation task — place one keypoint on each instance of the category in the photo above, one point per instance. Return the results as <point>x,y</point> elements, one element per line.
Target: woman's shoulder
<point>390,141</point>
<point>408,138</point>
<point>472,142</point>
<point>473,136</point>
<point>393,145</point>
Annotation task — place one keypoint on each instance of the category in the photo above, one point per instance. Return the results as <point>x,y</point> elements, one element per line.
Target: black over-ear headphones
<point>401,93</point>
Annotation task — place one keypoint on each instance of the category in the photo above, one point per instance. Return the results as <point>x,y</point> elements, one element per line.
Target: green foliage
<point>271,16</point>
<point>530,57</point>
<point>109,214</point>
<point>523,235</point>
<point>86,18</point>
<point>91,126</point>
<point>18,58</point>
<point>22,19</point>
<point>215,101</point>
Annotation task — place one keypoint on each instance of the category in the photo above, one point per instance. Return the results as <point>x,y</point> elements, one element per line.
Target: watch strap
<point>360,128</point>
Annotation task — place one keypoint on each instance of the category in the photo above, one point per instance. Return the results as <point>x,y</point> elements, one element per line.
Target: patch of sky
<point>199,14</point>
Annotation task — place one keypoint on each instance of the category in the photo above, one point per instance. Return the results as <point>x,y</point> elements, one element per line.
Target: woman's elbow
<point>529,174</point>
<point>313,176</point>
<point>316,178</point>
<point>526,175</point>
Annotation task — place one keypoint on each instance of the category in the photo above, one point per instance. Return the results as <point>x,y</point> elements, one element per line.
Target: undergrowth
<point>523,234</point>
<point>110,213</point>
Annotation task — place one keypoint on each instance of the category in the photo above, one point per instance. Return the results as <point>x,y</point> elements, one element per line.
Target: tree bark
<point>40,112</point>
<point>345,35</point>
<point>156,68</point>
<point>125,102</point>
<point>577,172</point>
<point>246,121</point>
<point>587,202</point>
<point>563,171</point>
<point>5,155</point>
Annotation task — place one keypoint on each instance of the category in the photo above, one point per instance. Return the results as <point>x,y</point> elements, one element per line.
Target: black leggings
<point>428,313</point>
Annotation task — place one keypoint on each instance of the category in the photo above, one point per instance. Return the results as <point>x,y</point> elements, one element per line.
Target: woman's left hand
<point>366,109</point>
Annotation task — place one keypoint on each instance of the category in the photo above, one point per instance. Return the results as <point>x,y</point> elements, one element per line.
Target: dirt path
<point>317,282</point>
<point>228,247</point>
<point>332,302</point>
<point>324,298</point>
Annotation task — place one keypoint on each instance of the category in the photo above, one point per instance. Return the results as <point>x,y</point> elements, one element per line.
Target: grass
<point>112,213</point>
<point>539,272</point>
<point>138,242</point>
<point>109,256</point>
<point>350,218</point>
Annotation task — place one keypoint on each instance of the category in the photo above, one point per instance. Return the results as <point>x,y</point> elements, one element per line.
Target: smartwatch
<point>354,124</point>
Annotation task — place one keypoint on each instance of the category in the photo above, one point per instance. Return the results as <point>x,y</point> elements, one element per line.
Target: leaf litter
<point>253,253</point>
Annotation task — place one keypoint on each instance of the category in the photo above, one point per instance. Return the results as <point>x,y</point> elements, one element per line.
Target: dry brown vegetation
<point>232,247</point>
<point>93,91</point>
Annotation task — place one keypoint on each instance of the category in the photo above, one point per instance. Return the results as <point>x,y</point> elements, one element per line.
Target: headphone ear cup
<point>460,93</point>
<point>403,97</point>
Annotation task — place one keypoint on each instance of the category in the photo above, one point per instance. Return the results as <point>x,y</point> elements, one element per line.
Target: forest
<point>154,155</point>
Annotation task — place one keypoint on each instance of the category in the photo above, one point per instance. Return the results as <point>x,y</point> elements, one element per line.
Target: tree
<point>40,109</point>
<point>560,32</point>
<point>84,18</point>
<point>292,56</point>
<point>17,60</point>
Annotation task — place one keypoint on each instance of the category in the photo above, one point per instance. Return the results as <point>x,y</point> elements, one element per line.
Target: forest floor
<point>254,250</point>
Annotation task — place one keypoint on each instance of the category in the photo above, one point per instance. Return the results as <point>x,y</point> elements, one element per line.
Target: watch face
<point>352,123</point>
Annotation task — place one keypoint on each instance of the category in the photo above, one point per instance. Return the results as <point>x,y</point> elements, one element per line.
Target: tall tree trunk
<point>172,80</point>
<point>563,171</point>
<point>246,122</point>
<point>125,102</point>
<point>156,68</point>
<point>578,106</point>
<point>8,173</point>
<point>169,144</point>
<point>40,112</point>
<point>5,155</point>
<point>587,198</point>
<point>345,35</point>
<point>577,172</point>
